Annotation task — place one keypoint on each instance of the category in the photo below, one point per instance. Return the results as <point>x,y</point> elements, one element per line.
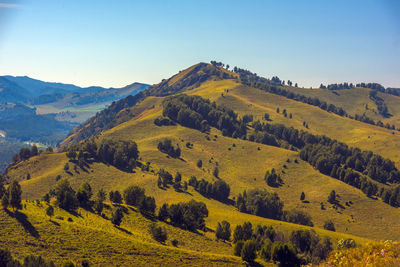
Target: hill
<point>241,150</point>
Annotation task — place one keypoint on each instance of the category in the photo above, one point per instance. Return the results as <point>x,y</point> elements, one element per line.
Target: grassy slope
<point>236,165</point>
<point>354,101</point>
<point>93,238</point>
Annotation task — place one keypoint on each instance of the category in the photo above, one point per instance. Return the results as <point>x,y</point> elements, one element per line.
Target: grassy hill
<point>241,163</point>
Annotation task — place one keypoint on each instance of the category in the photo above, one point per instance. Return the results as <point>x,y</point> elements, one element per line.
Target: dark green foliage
<point>249,250</point>
<point>36,261</point>
<point>118,153</point>
<point>329,225</point>
<point>14,195</point>
<point>199,163</point>
<point>158,233</point>
<point>223,231</point>
<point>188,215</point>
<point>133,195</point>
<point>98,203</point>
<point>65,196</point>
<point>68,264</point>
<point>380,104</point>
<point>237,250</point>
<point>243,232</point>
<point>165,177</point>
<point>115,197</point>
<point>346,243</point>
<point>163,121</point>
<point>166,146</point>
<point>2,188</point>
<point>26,153</point>
<point>218,190</point>
<point>117,216</point>
<point>260,203</point>
<point>302,196</point>
<point>84,194</point>
<point>332,197</point>
<point>198,113</point>
<point>272,178</point>
<point>163,212</point>
<point>298,217</point>
<point>6,260</point>
<point>285,254</point>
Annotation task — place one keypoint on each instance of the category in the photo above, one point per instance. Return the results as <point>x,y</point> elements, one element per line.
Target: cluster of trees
<point>121,154</point>
<point>346,166</point>
<point>380,103</point>
<point>11,197</point>
<point>218,190</point>
<point>269,205</point>
<point>300,248</point>
<point>335,86</point>
<point>135,196</point>
<point>165,146</point>
<point>199,113</point>
<point>163,121</point>
<point>272,178</point>
<point>7,260</point>
<point>187,215</point>
<point>26,153</point>
<point>260,203</point>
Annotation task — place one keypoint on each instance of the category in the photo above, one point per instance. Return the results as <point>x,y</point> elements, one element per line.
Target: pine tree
<point>14,198</point>
<point>302,196</point>
<point>50,211</point>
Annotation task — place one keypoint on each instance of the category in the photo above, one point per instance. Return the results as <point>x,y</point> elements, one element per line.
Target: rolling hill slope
<point>241,163</point>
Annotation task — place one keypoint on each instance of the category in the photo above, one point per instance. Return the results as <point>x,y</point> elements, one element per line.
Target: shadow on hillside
<point>123,230</point>
<point>55,223</point>
<point>23,220</point>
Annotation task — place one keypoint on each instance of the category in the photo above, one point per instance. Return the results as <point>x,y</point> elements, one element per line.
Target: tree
<point>115,197</point>
<point>158,233</point>
<point>65,196</point>
<point>66,167</point>
<point>117,216</point>
<point>302,196</point>
<point>4,200</point>
<point>329,225</point>
<point>223,231</point>
<point>332,197</point>
<point>50,211</point>
<point>133,195</point>
<point>284,253</point>
<point>2,188</point>
<point>163,212</point>
<point>14,197</point>
<point>84,194</point>
<point>237,250</point>
<point>98,204</point>
<point>249,251</point>
<point>199,163</point>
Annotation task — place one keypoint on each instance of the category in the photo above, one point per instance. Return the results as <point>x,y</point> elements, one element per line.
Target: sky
<point>115,43</point>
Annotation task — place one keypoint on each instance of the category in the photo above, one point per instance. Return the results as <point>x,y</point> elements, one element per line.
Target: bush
<point>117,216</point>
<point>223,231</point>
<point>249,251</point>
<point>133,195</point>
<point>266,250</point>
<point>166,146</point>
<point>328,225</point>
<point>174,242</point>
<point>158,233</point>
<point>346,243</point>
<point>285,254</point>
<point>298,217</point>
<point>237,250</point>
<point>65,196</point>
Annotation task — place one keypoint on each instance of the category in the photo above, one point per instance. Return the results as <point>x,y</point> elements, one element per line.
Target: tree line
<point>268,205</point>
<point>301,247</point>
<point>198,113</point>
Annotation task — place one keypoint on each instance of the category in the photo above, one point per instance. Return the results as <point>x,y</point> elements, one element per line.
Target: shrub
<point>237,250</point>
<point>328,225</point>
<point>223,231</point>
<point>158,233</point>
<point>249,250</point>
<point>174,242</point>
<point>117,216</point>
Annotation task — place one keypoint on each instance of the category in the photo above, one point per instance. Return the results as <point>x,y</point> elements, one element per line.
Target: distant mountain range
<point>36,111</point>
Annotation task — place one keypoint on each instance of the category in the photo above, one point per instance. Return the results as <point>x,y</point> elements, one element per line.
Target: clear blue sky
<point>113,43</point>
